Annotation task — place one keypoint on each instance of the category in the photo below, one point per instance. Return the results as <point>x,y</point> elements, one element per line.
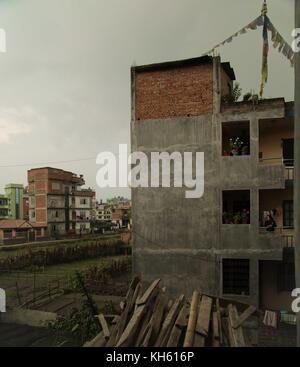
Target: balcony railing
<point>288,163</point>
<point>285,233</point>
<point>289,173</point>
<point>288,240</point>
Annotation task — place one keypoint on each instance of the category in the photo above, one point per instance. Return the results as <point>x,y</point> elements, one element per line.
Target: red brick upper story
<point>178,88</point>
<point>52,180</point>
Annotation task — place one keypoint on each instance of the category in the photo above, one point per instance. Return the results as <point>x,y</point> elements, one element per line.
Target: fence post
<point>34,285</point>
<point>18,294</point>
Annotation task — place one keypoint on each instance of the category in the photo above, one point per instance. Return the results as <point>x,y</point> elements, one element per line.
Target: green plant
<point>237,218</point>
<point>234,95</point>
<point>247,97</point>
<point>245,150</point>
<point>79,325</point>
<point>236,143</point>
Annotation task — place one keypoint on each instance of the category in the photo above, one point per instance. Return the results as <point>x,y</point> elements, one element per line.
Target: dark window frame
<point>236,277</point>
<point>288,215</point>
<point>286,277</point>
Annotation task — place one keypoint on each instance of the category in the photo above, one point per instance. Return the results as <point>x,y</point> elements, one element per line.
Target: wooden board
<point>98,341</point>
<point>189,336</point>
<point>180,324</point>
<point>169,322</point>
<point>236,335</point>
<point>244,316</point>
<point>103,323</point>
<point>131,328</point>
<point>130,303</point>
<point>142,300</point>
<point>203,321</point>
<point>157,317</point>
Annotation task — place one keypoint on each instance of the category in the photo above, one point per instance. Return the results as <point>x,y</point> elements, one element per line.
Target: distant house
<point>11,203</point>
<point>20,231</point>
<point>58,201</point>
<point>121,215</point>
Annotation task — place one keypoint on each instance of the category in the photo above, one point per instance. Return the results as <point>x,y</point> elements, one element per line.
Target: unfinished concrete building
<point>220,243</point>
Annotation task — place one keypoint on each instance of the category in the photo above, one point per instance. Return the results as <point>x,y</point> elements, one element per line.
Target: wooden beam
<point>157,318</point>
<point>169,322</point>
<point>104,326</point>
<point>131,328</point>
<point>189,336</point>
<point>237,336</point>
<point>180,324</point>
<point>203,321</point>
<point>142,300</point>
<point>244,316</point>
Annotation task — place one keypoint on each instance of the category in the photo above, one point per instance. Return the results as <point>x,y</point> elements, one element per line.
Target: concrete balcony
<point>279,239</point>
<point>236,171</point>
<point>236,236</point>
<point>271,175</point>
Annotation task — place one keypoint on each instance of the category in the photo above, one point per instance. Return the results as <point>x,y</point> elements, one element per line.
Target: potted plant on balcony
<point>235,145</point>
<point>245,150</point>
<point>237,218</point>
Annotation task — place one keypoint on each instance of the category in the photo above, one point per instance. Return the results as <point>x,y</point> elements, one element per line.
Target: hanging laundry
<point>270,319</point>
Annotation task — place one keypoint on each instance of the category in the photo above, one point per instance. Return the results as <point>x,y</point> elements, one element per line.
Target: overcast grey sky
<point>65,79</point>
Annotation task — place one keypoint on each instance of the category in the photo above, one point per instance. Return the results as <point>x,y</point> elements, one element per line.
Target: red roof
<point>18,223</point>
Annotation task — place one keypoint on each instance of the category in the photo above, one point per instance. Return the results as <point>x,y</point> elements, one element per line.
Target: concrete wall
<point>181,240</point>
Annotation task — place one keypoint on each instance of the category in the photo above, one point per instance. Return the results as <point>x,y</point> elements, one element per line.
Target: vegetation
<point>62,254</point>
<point>235,94</point>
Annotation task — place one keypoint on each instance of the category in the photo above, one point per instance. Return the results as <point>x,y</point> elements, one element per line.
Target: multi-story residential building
<point>236,241</point>
<point>15,192</point>
<point>82,208</point>
<point>121,215</point>
<point>11,204</point>
<point>103,212</point>
<point>57,199</point>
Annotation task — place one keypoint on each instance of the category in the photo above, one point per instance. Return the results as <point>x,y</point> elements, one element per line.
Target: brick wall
<point>41,216</point>
<point>40,201</point>
<point>174,92</point>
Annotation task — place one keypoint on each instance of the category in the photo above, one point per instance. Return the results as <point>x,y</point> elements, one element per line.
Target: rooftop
<point>186,62</point>
<point>17,223</point>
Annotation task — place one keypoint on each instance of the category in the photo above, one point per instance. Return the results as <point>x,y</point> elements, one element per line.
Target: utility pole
<point>297,165</point>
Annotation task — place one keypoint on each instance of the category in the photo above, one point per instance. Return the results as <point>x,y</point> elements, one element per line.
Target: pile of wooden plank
<point>152,319</point>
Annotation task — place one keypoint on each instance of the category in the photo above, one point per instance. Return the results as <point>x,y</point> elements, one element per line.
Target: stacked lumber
<point>152,319</point>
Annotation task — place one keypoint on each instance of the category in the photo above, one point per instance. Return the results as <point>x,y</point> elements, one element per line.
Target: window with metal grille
<point>286,277</point>
<point>288,213</point>
<point>236,276</point>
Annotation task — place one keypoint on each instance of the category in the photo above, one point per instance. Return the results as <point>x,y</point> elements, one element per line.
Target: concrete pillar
<point>14,233</point>
<point>216,85</point>
<point>297,165</point>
